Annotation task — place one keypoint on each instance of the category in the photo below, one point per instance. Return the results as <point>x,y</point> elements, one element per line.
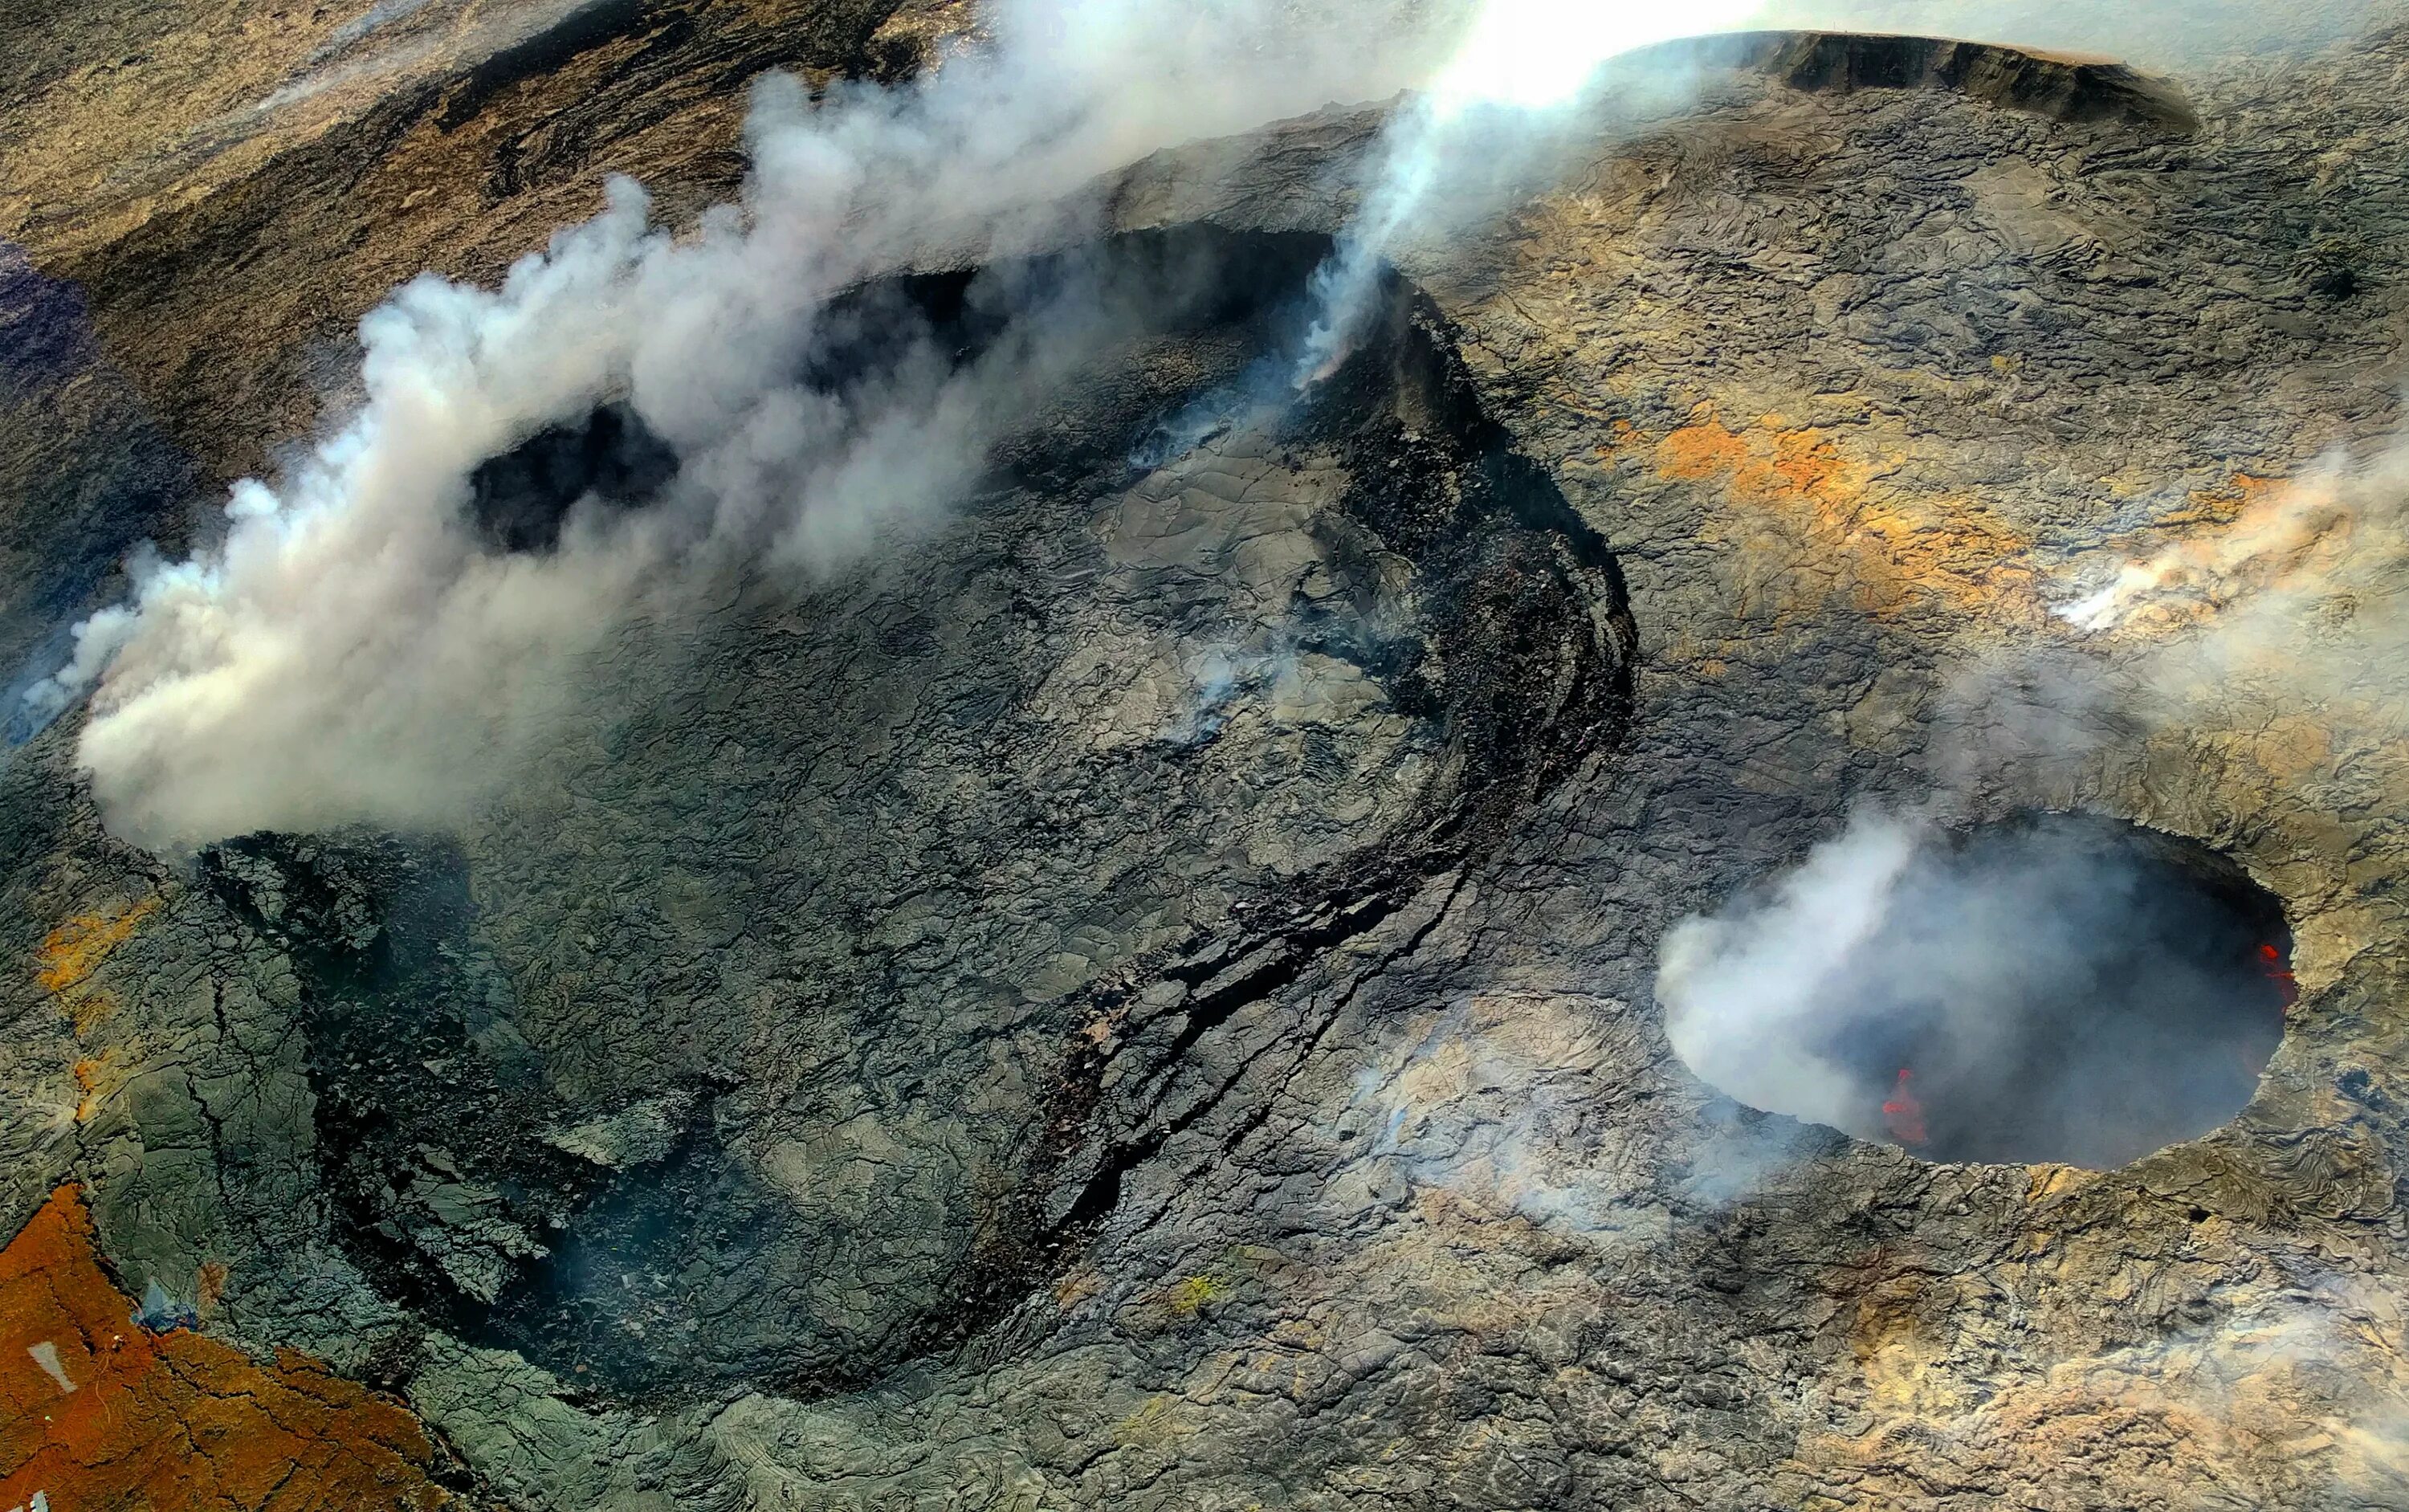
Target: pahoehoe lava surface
<point>1142,994</point>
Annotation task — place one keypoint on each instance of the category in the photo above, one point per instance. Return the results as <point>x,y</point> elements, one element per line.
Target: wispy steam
<point>1746,994</point>
<point>352,650</point>
<point>2287,537</point>
<point>2281,625</point>
<point>1518,57</point>
<point>2270,645</point>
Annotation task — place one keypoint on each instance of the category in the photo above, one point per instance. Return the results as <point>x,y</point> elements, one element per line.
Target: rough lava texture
<point>1144,997</point>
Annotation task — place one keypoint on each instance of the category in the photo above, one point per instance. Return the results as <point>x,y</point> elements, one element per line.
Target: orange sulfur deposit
<point>75,949</point>
<point>98,1412</point>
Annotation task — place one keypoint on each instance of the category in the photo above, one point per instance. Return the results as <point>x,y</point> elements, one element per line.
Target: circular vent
<point>2055,988</point>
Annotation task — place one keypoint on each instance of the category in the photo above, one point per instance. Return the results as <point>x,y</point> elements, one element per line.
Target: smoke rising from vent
<point>369,642</point>
<point>2291,546</point>
<point>2278,634</point>
<point>354,651</point>
<point>2277,637</point>
<point>1518,59</point>
<point>2054,990</point>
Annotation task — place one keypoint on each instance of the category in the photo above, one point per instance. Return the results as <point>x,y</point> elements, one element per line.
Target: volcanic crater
<point>1144,989</point>
<point>1194,715</point>
<point>2046,988</point>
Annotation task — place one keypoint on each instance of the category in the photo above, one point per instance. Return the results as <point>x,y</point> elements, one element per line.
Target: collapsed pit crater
<point>2052,987</point>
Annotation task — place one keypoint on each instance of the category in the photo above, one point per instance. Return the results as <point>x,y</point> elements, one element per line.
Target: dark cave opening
<point>1167,313</point>
<point>2053,987</point>
<point>519,500</point>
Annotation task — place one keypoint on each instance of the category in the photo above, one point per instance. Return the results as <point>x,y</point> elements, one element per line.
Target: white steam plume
<point>2280,634</point>
<point>1521,58</point>
<point>1745,992</point>
<point>351,653</point>
<point>2050,989</point>
<point>2269,653</point>
<point>2289,542</point>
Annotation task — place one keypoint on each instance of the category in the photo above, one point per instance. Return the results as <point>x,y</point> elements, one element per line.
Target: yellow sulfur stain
<point>1807,523</point>
<point>75,949</point>
<point>1157,1422</point>
<point>1192,1293</point>
<point>1896,1350</point>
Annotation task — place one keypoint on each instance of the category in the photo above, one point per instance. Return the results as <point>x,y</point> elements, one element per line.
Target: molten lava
<point>2286,983</point>
<point>1903,1114</point>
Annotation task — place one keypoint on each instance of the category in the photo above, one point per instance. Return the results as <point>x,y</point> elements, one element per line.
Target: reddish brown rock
<point>96,1411</point>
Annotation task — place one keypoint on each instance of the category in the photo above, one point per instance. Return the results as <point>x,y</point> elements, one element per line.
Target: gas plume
<point>2288,537</point>
<point>1744,992</point>
<point>2052,990</point>
<point>1519,59</point>
<point>2273,640</point>
<point>352,652</point>
<point>2277,635</point>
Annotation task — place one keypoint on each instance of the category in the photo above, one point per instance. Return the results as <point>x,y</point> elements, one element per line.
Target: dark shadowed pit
<point>2055,987</point>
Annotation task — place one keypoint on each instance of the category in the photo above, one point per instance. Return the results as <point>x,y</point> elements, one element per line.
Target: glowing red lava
<point>2277,972</point>
<point>1903,1115</point>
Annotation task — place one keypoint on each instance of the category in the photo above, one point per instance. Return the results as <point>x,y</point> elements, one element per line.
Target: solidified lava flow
<point>841,831</point>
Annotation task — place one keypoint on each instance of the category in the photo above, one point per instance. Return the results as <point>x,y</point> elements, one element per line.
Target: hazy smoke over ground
<point>353,652</point>
<point>1518,59</point>
<point>2278,637</point>
<point>2242,584</point>
<point>2271,649</point>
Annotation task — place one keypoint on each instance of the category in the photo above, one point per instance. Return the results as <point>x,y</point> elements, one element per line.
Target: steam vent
<point>1026,755</point>
<point>2043,989</point>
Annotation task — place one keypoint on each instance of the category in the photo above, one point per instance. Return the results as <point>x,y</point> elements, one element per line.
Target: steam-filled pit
<point>2050,988</point>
